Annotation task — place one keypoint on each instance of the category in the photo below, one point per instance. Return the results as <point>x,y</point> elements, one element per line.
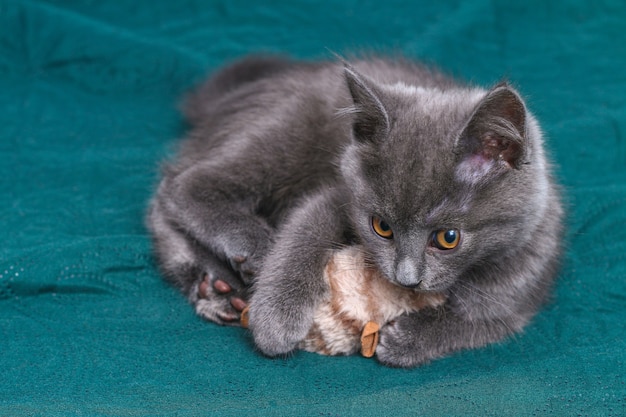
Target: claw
<point>239,259</point>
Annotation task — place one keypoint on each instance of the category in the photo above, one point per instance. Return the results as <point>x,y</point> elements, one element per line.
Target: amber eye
<point>446,239</point>
<point>381,228</point>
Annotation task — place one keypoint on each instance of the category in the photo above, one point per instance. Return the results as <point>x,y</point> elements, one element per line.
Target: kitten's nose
<point>407,273</point>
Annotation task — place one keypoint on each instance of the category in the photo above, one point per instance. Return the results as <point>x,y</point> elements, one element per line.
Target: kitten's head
<point>443,180</point>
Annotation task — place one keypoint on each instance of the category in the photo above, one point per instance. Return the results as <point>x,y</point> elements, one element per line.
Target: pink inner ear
<point>492,146</point>
<point>495,153</point>
<point>491,143</point>
<point>496,148</point>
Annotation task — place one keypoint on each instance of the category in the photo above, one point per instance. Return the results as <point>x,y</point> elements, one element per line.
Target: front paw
<point>401,345</point>
<point>277,330</point>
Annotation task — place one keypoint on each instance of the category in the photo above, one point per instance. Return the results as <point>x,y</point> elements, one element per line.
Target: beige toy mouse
<point>360,301</point>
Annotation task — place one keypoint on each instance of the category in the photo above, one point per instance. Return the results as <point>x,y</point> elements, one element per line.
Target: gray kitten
<point>445,186</point>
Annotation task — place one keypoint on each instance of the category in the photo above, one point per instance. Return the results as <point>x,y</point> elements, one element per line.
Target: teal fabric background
<point>88,96</point>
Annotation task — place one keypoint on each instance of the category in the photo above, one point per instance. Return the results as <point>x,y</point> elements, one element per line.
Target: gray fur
<point>287,161</point>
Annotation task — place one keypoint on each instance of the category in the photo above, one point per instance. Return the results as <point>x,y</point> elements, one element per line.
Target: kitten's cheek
<point>434,285</point>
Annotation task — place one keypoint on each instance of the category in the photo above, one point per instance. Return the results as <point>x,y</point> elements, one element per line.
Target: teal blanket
<point>89,95</point>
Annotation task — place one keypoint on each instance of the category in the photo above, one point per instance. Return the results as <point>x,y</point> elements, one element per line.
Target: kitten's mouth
<point>413,286</point>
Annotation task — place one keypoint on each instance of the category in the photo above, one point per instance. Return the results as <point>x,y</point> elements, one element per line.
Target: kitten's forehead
<point>428,121</point>
<point>457,204</point>
<point>435,102</point>
<point>433,204</point>
<point>419,156</point>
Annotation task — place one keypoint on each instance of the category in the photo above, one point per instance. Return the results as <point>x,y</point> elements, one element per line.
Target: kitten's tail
<point>244,71</point>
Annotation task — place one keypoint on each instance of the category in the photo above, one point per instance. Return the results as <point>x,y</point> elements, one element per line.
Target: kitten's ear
<point>371,119</point>
<point>494,140</point>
